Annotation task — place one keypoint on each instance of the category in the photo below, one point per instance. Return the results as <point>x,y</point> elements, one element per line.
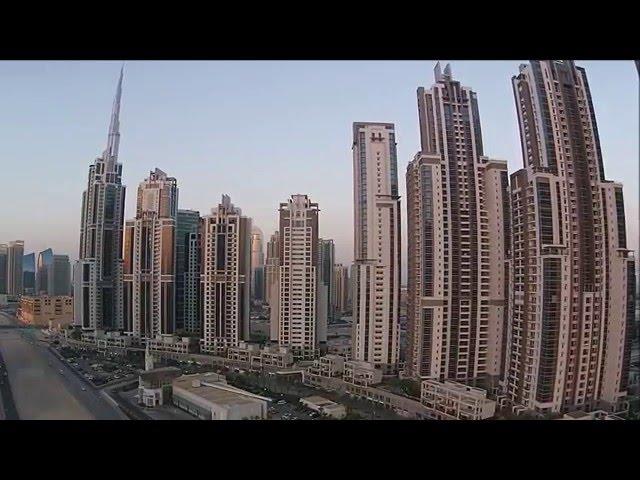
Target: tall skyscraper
<point>98,296</point>
<point>45,260</point>
<point>29,273</point>
<point>272,284</point>
<point>341,288</point>
<point>226,277</point>
<point>15,256</point>
<point>458,237</point>
<point>376,275</point>
<point>4,252</point>
<point>188,272</point>
<point>326,259</point>
<point>573,279</point>
<point>257,264</point>
<point>150,258</point>
<point>298,324</point>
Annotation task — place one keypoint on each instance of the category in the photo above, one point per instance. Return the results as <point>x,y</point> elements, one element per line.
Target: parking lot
<point>100,368</point>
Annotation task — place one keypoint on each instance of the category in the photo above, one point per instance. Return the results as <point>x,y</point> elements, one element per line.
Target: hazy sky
<point>258,131</point>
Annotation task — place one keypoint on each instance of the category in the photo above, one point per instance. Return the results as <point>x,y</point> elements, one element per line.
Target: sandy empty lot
<point>38,391</point>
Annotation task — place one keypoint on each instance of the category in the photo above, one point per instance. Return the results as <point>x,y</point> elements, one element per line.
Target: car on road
<point>84,389</point>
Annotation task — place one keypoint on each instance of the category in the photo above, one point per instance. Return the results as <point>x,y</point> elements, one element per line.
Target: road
<point>40,391</point>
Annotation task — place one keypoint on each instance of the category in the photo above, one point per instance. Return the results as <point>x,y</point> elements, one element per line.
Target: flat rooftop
<point>160,373</point>
<point>214,389</point>
<point>319,401</point>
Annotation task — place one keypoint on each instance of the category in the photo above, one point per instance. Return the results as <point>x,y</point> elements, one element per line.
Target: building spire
<point>113,140</point>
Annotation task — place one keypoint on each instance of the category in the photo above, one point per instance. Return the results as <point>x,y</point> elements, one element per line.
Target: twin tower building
<point>519,283</point>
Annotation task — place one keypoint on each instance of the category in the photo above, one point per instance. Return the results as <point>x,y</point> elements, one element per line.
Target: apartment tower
<point>98,296</point>
<point>376,271</point>
<point>226,277</point>
<point>573,279</point>
<point>150,258</point>
<point>298,324</point>
<point>458,241</point>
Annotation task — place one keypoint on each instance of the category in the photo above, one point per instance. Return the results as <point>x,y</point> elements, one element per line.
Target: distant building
<point>451,400</point>
<point>209,397</point>
<point>45,261</point>
<point>45,310</point>
<point>60,276</point>
<point>341,289</point>
<point>226,276</point>
<point>376,272</point>
<point>188,272</point>
<point>149,258</point>
<point>52,274</point>
<point>29,274</point>
<point>326,259</point>
<point>4,252</point>
<point>272,285</point>
<point>15,256</point>
<point>257,264</point>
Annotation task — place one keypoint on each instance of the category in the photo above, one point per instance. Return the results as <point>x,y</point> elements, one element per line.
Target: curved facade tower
<point>573,278</point>
<point>98,292</point>
<point>458,237</point>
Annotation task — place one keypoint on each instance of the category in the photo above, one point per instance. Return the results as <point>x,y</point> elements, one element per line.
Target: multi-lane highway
<point>44,387</point>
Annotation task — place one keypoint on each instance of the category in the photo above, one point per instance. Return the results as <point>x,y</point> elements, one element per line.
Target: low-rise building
<point>451,400</point>
<point>155,386</point>
<point>173,344</point>
<point>113,339</point>
<point>45,310</point>
<point>208,397</point>
<point>275,356</point>
<point>89,336</point>
<point>255,357</point>
<point>595,415</point>
<point>328,366</point>
<point>243,352</point>
<point>361,373</point>
<point>339,347</point>
<point>324,406</point>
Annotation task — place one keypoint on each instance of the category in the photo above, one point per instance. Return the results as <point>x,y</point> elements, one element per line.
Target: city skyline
<point>325,154</point>
<point>519,295</point>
